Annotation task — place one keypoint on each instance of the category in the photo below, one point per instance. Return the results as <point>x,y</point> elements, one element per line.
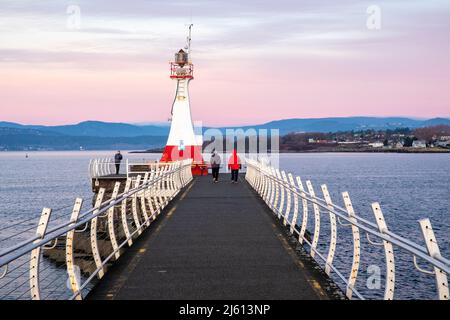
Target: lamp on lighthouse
<point>182,142</point>
<point>181,68</point>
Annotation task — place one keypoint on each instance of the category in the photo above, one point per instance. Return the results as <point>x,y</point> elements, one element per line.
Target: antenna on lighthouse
<point>188,41</point>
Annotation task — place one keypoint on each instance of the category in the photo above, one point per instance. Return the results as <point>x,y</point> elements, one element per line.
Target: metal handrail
<point>267,184</point>
<point>437,261</point>
<point>163,183</point>
<point>68,226</point>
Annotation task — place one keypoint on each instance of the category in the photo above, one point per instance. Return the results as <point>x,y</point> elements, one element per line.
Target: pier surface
<point>216,241</point>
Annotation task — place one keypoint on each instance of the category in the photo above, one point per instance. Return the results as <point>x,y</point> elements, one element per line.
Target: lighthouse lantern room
<point>182,142</point>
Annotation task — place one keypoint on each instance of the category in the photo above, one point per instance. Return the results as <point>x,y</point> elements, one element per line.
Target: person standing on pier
<point>234,164</point>
<point>117,158</point>
<point>215,165</point>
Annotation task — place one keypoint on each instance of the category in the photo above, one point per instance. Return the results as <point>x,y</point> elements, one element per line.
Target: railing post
<point>295,214</point>
<point>301,235</point>
<point>265,185</point>
<point>166,183</point>
<point>273,186</point>
<point>260,178</point>
<point>257,172</point>
<point>316,208</point>
<point>102,167</point>
<point>248,175</point>
<point>163,185</point>
<point>148,196</point>
<point>124,210</point>
<point>142,198</point>
<point>134,206</point>
<point>288,198</point>
<point>356,245</point>
<point>282,191</point>
<point>112,234</point>
<point>333,230</point>
<point>73,278</point>
<point>433,251</point>
<point>179,175</point>
<point>183,177</point>
<point>94,168</point>
<point>269,185</point>
<point>156,188</point>
<point>94,244</point>
<point>389,252</point>
<point>162,200</point>
<point>156,191</point>
<point>176,182</point>
<point>276,177</point>
<point>171,184</point>
<point>36,254</point>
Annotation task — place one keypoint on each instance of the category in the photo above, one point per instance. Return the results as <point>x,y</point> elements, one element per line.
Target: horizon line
<point>167,124</point>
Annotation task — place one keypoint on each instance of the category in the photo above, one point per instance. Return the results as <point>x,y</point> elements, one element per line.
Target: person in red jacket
<point>234,164</point>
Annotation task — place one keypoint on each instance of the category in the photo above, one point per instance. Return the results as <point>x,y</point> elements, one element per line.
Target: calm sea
<point>408,187</point>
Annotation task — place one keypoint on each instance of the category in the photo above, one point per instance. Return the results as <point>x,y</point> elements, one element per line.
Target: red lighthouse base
<point>173,153</point>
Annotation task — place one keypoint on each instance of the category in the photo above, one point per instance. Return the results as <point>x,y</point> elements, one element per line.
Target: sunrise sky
<point>255,61</point>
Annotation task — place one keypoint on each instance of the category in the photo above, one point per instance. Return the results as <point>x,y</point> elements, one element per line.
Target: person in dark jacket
<point>117,158</point>
<point>234,164</point>
<point>215,165</point>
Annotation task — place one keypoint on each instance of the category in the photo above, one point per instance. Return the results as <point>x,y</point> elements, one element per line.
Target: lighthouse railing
<point>70,250</point>
<point>294,202</point>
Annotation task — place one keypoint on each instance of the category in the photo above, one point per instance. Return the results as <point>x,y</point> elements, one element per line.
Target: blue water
<point>408,186</point>
<point>47,179</point>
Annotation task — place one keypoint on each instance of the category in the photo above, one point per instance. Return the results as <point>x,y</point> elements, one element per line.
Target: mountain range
<point>96,129</point>
<point>107,135</point>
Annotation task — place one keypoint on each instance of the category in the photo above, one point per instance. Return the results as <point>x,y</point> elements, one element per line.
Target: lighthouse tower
<point>182,142</point>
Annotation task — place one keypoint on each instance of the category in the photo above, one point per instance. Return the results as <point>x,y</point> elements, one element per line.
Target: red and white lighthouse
<point>182,142</point>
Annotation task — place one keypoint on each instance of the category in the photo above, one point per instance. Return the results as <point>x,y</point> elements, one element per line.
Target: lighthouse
<point>182,142</point>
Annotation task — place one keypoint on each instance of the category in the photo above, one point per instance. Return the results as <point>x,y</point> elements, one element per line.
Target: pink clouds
<point>297,60</point>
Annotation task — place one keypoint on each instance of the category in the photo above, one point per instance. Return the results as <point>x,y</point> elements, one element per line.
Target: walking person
<point>117,158</point>
<point>215,165</point>
<point>234,164</point>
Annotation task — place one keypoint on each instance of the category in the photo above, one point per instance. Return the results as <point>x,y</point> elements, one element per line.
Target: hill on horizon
<point>96,129</point>
<point>333,124</point>
<point>17,139</point>
<point>97,135</point>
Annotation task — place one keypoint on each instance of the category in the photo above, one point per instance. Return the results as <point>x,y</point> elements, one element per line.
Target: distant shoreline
<point>404,150</point>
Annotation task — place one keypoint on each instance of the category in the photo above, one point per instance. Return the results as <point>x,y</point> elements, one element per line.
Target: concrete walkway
<point>216,241</point>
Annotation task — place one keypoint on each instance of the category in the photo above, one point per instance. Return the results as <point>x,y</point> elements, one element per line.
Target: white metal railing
<point>23,271</point>
<point>101,167</point>
<point>282,192</point>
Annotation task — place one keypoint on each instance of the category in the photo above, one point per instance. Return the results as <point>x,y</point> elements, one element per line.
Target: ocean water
<point>407,186</point>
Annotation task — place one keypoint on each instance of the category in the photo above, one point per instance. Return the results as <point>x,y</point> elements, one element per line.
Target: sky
<point>255,61</point>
